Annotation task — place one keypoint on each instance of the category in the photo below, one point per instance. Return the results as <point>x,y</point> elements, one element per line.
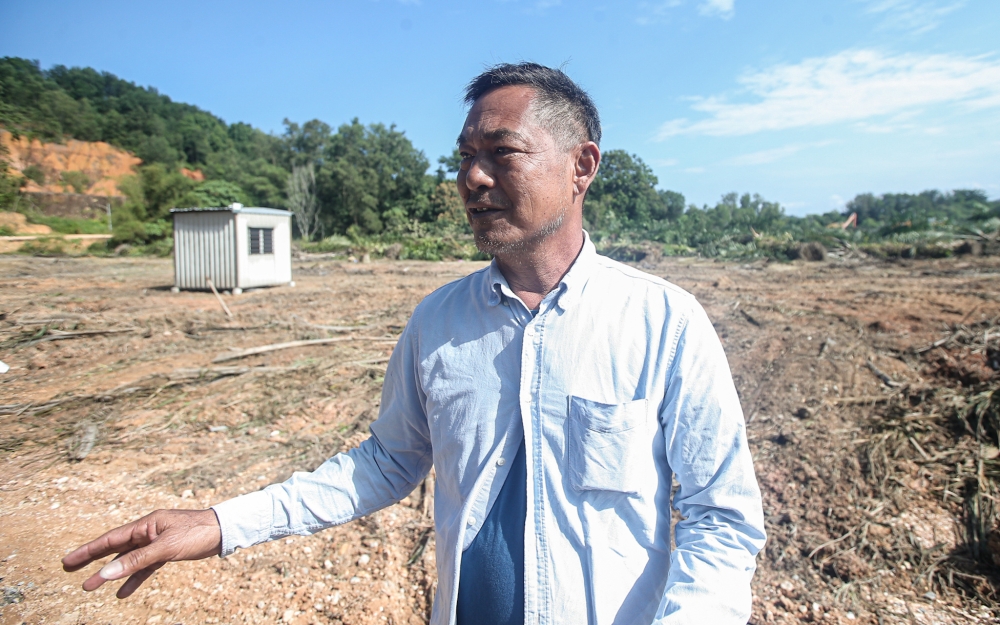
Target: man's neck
<point>532,274</point>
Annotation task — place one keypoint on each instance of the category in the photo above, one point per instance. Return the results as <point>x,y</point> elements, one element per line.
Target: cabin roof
<point>234,208</point>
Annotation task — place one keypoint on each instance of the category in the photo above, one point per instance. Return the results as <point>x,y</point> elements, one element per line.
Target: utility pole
<point>109,216</point>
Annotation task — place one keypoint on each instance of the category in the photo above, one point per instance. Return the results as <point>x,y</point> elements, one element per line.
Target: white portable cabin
<point>236,247</point>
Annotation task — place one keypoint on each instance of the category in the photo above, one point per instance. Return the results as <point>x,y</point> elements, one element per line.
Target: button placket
<point>543,598</point>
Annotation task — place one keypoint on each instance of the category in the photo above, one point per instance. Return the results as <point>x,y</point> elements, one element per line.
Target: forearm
<point>710,572</point>
<point>718,498</point>
<point>717,541</point>
<point>346,487</point>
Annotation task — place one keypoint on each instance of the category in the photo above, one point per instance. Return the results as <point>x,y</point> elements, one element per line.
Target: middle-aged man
<point>556,392</point>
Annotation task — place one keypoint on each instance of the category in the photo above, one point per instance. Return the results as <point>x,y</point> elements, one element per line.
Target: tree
<point>301,191</point>
<point>452,162</point>
<point>371,175</point>
<point>308,142</point>
<point>624,195</point>
<point>449,208</point>
<point>159,188</point>
<point>215,193</point>
<point>673,203</point>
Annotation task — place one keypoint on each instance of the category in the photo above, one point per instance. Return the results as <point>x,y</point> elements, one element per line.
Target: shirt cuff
<point>245,521</point>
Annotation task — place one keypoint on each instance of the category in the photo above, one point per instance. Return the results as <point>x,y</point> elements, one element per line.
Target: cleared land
<point>113,406</point>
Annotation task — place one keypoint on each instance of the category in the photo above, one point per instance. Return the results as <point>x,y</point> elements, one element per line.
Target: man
<point>556,392</point>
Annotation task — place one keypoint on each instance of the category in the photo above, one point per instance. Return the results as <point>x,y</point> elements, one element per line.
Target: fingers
<point>117,540</point>
<point>93,582</point>
<point>145,545</point>
<point>132,584</point>
<point>132,563</point>
<point>97,580</point>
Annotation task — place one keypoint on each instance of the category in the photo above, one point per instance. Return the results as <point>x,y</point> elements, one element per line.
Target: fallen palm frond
<point>299,320</point>
<point>46,334</point>
<point>941,436</point>
<point>263,349</point>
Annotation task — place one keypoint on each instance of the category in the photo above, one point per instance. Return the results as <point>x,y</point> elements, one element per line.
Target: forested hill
<point>370,183</point>
<point>84,104</point>
<point>369,177</point>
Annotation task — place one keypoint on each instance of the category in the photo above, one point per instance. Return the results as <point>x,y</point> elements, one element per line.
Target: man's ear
<point>587,160</point>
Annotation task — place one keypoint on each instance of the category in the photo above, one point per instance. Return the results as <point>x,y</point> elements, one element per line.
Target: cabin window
<point>261,240</point>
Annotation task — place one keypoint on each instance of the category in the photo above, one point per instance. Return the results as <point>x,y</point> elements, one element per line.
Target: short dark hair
<point>561,104</point>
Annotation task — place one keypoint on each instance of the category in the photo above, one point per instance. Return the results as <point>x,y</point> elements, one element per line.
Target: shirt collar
<point>569,289</point>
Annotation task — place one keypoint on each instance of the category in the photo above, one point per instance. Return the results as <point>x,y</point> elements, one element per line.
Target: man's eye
<point>503,150</point>
<point>465,156</point>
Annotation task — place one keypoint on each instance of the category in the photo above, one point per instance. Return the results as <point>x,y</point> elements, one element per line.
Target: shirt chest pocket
<point>608,445</point>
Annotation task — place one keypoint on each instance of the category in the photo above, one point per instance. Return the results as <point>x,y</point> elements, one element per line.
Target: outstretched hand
<point>145,545</point>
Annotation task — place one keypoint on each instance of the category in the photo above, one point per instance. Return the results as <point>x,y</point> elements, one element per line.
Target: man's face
<point>515,179</point>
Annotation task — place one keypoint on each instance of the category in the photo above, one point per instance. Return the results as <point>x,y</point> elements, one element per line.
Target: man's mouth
<point>479,210</point>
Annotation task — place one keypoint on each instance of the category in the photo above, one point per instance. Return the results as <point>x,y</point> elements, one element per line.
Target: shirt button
<point>472,521</point>
<point>501,462</point>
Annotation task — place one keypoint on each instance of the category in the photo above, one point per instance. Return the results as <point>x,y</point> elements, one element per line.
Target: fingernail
<point>112,570</point>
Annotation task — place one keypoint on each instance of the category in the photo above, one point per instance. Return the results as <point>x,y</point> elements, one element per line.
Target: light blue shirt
<point>618,384</point>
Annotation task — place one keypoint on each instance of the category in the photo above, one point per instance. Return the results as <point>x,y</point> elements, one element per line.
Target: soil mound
<point>90,168</point>
<point>18,224</point>
<point>812,251</point>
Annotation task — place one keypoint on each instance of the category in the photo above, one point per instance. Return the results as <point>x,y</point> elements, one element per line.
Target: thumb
<point>126,564</point>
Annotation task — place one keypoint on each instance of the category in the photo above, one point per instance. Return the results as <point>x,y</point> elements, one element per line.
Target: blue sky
<point>805,102</point>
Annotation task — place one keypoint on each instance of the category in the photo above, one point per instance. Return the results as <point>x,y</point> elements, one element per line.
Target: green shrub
<point>676,249</point>
<point>44,246</point>
<point>35,173</point>
<point>439,248</point>
<point>889,250</point>
<point>624,252</point>
<point>335,243</point>
<point>76,179</point>
<point>214,193</point>
<point>409,247</point>
<point>128,232</point>
<point>67,225</point>
<point>99,248</point>
<point>159,247</point>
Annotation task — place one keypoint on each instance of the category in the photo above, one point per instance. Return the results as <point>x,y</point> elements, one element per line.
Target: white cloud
<point>659,12</point>
<point>655,12</point>
<point>723,8</point>
<point>664,162</point>
<point>851,86</point>
<point>535,6</point>
<point>775,154</point>
<point>694,170</point>
<point>916,16</point>
<point>765,156</point>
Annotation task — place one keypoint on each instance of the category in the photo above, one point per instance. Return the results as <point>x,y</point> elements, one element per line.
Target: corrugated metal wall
<point>204,246</point>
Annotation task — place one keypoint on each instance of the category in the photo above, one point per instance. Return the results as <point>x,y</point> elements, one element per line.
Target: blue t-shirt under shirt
<point>491,581</point>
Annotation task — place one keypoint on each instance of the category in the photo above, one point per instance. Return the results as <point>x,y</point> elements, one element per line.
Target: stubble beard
<point>498,247</point>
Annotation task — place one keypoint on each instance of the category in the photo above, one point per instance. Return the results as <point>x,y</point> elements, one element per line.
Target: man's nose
<point>478,176</point>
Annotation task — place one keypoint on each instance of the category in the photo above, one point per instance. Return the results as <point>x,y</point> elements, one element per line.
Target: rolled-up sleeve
<point>722,526</point>
<point>377,473</point>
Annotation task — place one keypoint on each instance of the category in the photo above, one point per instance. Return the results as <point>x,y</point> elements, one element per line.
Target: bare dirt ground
<point>874,482</point>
